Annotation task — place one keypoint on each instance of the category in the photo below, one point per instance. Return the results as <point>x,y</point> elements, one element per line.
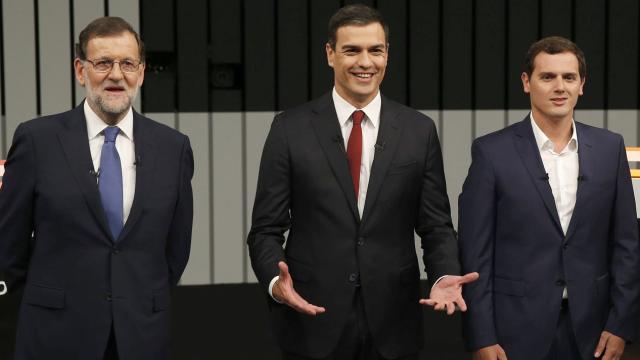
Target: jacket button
<point>565,246</point>
<point>560,282</point>
<point>115,251</point>
<point>108,297</point>
<point>361,241</point>
<point>353,277</point>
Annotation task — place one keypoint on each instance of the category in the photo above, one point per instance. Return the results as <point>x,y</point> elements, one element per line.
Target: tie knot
<point>357,117</point>
<point>110,133</point>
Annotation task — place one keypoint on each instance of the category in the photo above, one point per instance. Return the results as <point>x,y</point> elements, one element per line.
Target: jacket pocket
<point>397,168</point>
<point>509,287</point>
<point>44,296</point>
<point>161,299</point>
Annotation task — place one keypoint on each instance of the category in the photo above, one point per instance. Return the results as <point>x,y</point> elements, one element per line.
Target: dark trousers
<point>111,353</point>
<point>564,345</point>
<point>356,342</point>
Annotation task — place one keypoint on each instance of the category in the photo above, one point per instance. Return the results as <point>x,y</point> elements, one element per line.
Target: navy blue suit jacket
<point>509,231</point>
<point>77,281</point>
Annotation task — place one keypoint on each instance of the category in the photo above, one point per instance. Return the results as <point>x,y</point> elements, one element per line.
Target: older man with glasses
<point>111,227</point>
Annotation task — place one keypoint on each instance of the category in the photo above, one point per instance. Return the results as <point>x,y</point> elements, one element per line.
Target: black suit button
<point>115,251</point>
<point>361,241</point>
<point>560,282</point>
<point>565,246</point>
<point>108,297</point>
<point>353,277</point>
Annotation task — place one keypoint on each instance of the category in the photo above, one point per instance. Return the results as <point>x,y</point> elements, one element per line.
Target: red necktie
<point>354,149</point>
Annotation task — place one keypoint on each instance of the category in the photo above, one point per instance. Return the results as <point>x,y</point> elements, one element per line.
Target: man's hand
<point>283,291</point>
<point>610,346</point>
<point>447,293</point>
<point>493,352</point>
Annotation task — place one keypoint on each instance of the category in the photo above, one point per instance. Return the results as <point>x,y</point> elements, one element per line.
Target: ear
<point>141,74</point>
<point>583,80</point>
<point>79,70</point>
<point>525,82</point>
<point>330,54</point>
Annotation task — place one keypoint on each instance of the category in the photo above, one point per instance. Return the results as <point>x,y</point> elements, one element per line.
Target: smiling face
<point>358,61</point>
<point>110,94</point>
<point>554,86</point>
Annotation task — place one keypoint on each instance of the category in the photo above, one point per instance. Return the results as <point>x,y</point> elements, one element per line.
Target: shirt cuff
<point>434,284</point>
<point>273,281</point>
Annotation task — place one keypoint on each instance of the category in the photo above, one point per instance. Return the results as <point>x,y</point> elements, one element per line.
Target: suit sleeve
<point>625,256</point>
<point>179,241</point>
<point>434,226</point>
<point>271,217</point>
<point>477,219</point>
<point>16,209</point>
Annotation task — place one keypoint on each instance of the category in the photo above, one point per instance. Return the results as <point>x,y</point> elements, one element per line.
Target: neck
<point>558,130</point>
<point>358,102</point>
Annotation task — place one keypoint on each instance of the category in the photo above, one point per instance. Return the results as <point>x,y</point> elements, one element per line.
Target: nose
<point>116,72</point>
<point>559,85</point>
<point>364,60</point>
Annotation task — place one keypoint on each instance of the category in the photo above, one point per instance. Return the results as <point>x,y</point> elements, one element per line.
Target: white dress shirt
<point>563,171</point>
<point>124,146</point>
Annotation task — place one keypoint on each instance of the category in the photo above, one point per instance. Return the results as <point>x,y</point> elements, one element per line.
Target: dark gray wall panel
<point>490,55</point>
<point>522,32</point>
<point>556,18</point>
<point>395,82</point>
<point>225,60</point>
<point>192,55</point>
<point>424,74</point>
<point>622,51</point>
<point>260,56</point>
<point>321,73</point>
<point>293,53</point>
<point>590,35</point>
<point>457,54</point>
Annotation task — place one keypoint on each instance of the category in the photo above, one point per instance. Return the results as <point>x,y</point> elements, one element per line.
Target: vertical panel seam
<point>106,7</point>
<point>72,50</point>
<point>3,119</point>
<point>212,225</point>
<point>36,34</point>
<point>473,68</point>
<point>243,102</point>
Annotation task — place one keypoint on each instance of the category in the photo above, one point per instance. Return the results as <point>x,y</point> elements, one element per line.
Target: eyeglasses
<point>105,65</point>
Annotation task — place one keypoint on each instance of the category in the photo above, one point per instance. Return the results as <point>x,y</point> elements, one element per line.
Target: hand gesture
<point>493,352</point>
<point>284,292</point>
<point>447,293</point>
<point>610,347</point>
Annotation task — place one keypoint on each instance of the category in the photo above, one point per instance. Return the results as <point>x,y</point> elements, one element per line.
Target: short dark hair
<point>554,45</point>
<point>356,14</point>
<point>106,26</point>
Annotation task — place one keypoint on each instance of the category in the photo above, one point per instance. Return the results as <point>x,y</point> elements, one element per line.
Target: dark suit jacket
<point>77,281</point>
<point>509,231</point>
<point>305,187</point>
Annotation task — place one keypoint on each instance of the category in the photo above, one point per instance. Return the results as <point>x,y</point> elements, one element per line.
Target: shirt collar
<point>544,143</point>
<point>95,125</point>
<point>344,109</point>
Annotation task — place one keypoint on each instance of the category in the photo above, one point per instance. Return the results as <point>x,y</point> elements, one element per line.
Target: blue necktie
<point>110,181</point>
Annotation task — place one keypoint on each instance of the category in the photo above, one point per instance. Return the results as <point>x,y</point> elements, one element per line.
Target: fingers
<point>284,269</point>
<point>451,308</point>
<point>461,304</point>
<point>602,343</point>
<point>470,277</point>
<point>501,354</point>
<point>429,302</point>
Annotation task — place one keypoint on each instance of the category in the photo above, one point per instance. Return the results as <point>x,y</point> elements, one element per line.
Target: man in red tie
<point>351,176</point>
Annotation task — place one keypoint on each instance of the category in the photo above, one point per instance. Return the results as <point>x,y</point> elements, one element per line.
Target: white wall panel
<point>488,121</point>
<point>590,117</point>
<point>228,242</point>
<point>257,127</point>
<point>515,116</point>
<point>625,123</point>
<point>55,56</point>
<point>168,119</point>
<point>196,127</point>
<point>456,153</point>
<point>19,64</point>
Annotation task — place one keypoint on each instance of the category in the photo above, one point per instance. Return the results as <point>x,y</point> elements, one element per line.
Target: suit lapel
<point>327,129</point>
<point>75,144</point>
<point>145,164</point>
<point>585,153</point>
<point>388,136</point>
<point>530,155</point>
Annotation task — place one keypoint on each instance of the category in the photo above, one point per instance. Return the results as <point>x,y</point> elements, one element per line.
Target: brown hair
<point>554,45</point>
<point>106,26</point>
<point>356,14</point>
